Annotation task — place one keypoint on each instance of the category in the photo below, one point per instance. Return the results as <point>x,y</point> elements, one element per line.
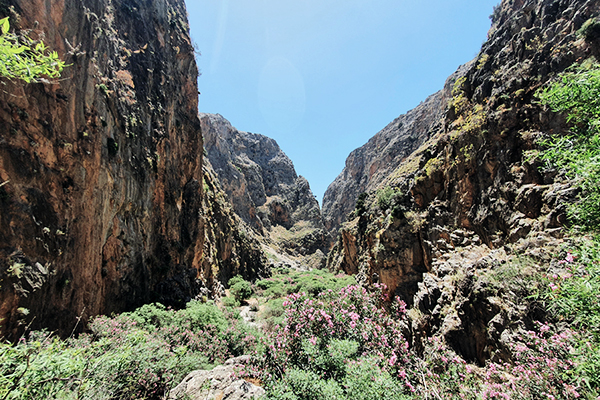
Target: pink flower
<point>393,359</point>
<point>569,258</point>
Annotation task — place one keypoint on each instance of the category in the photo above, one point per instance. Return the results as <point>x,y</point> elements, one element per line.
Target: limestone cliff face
<point>231,247</point>
<point>263,186</point>
<point>101,198</point>
<point>474,182</point>
<point>367,166</point>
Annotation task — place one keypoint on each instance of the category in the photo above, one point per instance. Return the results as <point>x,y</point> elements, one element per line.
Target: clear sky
<point>321,77</point>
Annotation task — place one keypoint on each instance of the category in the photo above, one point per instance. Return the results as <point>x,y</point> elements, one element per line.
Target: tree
<point>23,58</point>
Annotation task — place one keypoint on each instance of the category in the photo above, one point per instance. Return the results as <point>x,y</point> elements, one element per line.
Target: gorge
<point>116,194</point>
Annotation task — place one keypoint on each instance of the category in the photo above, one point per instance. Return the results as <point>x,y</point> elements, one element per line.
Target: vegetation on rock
<point>22,57</point>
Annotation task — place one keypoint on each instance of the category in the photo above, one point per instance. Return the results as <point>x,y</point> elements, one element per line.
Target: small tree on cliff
<point>24,58</point>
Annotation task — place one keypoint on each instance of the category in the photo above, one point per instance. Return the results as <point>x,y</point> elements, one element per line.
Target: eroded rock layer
<point>263,187</point>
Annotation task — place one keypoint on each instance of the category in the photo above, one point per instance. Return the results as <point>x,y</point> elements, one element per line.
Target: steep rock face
<point>367,166</point>
<point>476,180</point>
<point>231,247</point>
<point>263,186</point>
<point>101,171</point>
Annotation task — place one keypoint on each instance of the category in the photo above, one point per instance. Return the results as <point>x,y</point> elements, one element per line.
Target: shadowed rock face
<point>101,206</point>
<point>473,182</point>
<point>263,186</point>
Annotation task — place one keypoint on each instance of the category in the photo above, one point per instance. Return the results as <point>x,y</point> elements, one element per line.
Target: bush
<point>137,355</point>
<point>230,302</point>
<point>590,29</point>
<point>577,155</point>
<point>322,335</point>
<point>360,208</point>
<point>240,289</point>
<point>384,197</point>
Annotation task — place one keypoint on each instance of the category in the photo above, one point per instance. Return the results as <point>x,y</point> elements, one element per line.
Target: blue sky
<point>323,76</point>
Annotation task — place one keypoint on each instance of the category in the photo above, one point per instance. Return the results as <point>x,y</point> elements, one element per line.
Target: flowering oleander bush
<point>346,345</point>
<point>331,344</point>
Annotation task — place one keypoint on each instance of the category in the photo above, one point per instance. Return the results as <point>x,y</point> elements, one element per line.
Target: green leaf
<point>4,25</point>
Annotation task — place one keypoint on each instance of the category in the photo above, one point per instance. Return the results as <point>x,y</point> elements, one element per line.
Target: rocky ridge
<point>265,191</point>
<point>101,205</point>
<point>367,166</point>
<point>474,195</point>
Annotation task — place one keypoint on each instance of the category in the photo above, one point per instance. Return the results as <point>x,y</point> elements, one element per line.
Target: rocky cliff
<point>367,166</point>
<point>101,205</point>
<point>263,186</point>
<point>475,186</point>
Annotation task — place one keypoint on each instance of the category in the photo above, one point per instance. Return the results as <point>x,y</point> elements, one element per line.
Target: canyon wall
<point>476,180</point>
<point>101,205</point>
<point>264,189</point>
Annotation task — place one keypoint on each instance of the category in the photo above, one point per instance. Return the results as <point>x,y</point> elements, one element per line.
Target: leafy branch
<point>26,59</point>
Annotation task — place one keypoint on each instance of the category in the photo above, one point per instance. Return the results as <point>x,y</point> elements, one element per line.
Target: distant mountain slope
<point>263,187</point>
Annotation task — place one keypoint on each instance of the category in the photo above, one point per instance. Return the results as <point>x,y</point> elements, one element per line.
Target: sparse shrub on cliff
<point>240,289</point>
<point>386,196</point>
<point>590,29</point>
<point>360,207</point>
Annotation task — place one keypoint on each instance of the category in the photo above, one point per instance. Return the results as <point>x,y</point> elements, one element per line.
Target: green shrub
<point>234,280</point>
<point>304,385</point>
<point>577,155</point>
<point>230,301</point>
<point>137,355</point>
<point>360,208</point>
<point>384,197</point>
<point>367,381</point>
<point>240,289</point>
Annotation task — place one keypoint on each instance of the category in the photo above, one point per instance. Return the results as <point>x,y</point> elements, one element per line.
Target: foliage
<point>360,207</point>
<point>364,380</point>
<point>572,294</point>
<point>285,282</point>
<point>590,29</point>
<point>137,355</point>
<point>495,13</point>
<point>386,196</point>
<point>577,154</point>
<point>323,337</point>
<point>22,57</point>
<point>240,288</point>
<point>469,118</point>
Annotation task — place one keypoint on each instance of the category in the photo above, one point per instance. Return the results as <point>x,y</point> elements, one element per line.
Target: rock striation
<point>101,172</point>
<point>263,187</point>
<point>476,181</point>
